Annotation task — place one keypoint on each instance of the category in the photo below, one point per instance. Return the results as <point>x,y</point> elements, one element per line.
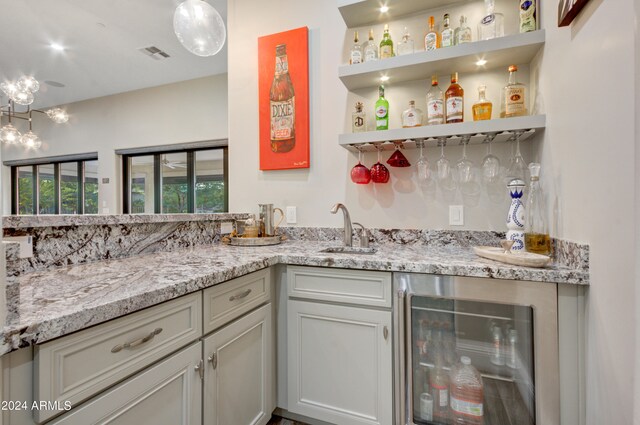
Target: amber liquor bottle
<point>454,101</point>
<point>283,107</point>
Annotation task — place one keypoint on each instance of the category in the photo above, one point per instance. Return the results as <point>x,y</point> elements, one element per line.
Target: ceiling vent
<point>154,53</point>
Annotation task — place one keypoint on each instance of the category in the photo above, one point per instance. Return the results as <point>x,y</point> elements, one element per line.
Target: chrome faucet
<point>348,229</point>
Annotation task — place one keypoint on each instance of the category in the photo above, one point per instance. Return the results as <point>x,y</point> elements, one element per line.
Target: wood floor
<point>277,420</point>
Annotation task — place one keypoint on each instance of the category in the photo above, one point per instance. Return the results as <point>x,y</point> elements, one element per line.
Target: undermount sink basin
<point>349,250</point>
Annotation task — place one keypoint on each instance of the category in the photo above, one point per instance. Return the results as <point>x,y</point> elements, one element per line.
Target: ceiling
<point>101,40</point>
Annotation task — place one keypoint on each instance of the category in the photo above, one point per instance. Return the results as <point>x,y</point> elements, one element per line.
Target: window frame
<point>157,176</point>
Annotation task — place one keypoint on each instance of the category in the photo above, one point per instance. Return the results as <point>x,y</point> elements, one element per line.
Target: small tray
<point>526,259</point>
<point>267,240</point>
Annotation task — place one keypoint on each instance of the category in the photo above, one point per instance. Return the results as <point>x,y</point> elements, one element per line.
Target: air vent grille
<point>154,53</point>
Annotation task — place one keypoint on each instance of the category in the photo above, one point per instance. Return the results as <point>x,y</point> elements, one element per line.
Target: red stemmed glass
<point>379,173</point>
<point>359,173</point>
<point>397,159</point>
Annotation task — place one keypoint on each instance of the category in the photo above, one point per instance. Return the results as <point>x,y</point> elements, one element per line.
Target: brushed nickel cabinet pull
<point>198,368</point>
<point>136,342</point>
<point>385,333</point>
<point>213,359</point>
<point>240,296</point>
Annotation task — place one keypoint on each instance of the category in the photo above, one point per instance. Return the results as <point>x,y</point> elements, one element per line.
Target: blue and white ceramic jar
<point>515,218</point>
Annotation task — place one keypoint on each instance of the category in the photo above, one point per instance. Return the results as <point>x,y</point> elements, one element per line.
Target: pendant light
<point>199,27</point>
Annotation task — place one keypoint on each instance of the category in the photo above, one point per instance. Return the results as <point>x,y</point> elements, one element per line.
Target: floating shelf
<point>502,130</point>
<point>498,52</point>
<point>358,13</point>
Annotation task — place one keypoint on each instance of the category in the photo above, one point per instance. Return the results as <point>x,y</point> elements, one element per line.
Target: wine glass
<point>424,172</point>
<point>379,173</point>
<point>517,167</point>
<point>359,173</point>
<point>490,163</point>
<point>445,177</point>
<point>464,166</point>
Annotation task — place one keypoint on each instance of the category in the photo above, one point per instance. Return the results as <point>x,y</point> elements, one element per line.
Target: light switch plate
<point>456,215</point>
<point>292,215</point>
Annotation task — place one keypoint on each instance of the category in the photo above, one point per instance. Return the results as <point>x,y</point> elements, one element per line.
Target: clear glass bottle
<point>371,48</point>
<point>386,44</point>
<point>467,394</point>
<point>483,107</point>
<point>528,15</point>
<point>412,117</point>
<point>536,234</point>
<point>356,50</point>
<point>512,349</point>
<point>382,110</point>
<point>432,39</point>
<point>435,103</point>
<point>406,45</point>
<point>454,101</point>
<point>462,34</point>
<point>492,24</point>
<point>513,101</point>
<point>439,386</point>
<point>359,119</point>
<point>447,32</point>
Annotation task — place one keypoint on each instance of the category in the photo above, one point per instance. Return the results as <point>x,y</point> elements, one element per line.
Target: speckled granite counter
<point>49,304</point>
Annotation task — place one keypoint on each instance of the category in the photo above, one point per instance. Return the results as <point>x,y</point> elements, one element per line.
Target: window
<point>189,180</point>
<point>60,185</point>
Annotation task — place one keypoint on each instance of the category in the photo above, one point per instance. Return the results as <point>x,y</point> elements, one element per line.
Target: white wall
<point>587,153</point>
<point>182,112</point>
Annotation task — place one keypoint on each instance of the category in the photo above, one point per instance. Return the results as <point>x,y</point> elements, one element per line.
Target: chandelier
<point>21,92</point>
<point>199,27</point>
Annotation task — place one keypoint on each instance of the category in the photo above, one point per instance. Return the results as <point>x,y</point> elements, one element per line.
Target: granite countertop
<point>49,304</point>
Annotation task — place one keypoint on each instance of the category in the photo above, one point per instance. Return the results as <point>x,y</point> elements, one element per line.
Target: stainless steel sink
<point>349,250</point>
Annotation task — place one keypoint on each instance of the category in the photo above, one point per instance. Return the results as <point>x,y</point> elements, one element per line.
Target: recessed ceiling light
<point>481,62</point>
<point>384,9</point>
<point>56,46</point>
<point>384,78</point>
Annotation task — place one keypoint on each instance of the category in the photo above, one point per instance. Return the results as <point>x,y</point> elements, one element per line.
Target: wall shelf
<point>504,129</point>
<point>358,13</point>
<point>498,52</point>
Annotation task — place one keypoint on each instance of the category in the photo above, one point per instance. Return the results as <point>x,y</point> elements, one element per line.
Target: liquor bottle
<point>447,32</point>
<point>412,117</point>
<point>462,34</point>
<point>482,108</point>
<point>371,49</point>
<point>382,111</point>
<point>432,39</point>
<point>386,45</point>
<point>435,103</point>
<point>283,105</point>
<point>439,387</point>
<point>454,101</point>
<point>492,24</point>
<point>356,50</point>
<point>406,45</point>
<point>527,15</point>
<point>513,99</point>
<point>536,235</point>
<point>358,119</point>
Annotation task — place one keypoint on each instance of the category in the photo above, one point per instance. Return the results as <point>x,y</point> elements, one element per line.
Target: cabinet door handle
<point>385,333</point>
<point>213,359</point>
<point>198,368</point>
<point>136,342</point>
<point>240,296</point>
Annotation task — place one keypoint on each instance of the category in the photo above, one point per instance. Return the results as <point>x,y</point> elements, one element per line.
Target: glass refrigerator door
<point>471,362</point>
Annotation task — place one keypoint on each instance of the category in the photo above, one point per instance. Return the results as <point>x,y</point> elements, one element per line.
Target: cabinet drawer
<point>78,366</point>
<point>339,285</point>
<point>229,300</point>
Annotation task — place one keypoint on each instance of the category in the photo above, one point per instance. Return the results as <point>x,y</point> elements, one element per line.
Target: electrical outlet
<point>226,227</point>
<point>292,215</point>
<point>456,215</point>
<point>26,245</point>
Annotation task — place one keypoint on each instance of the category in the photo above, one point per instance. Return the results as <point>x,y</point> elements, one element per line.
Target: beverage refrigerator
<point>475,351</point>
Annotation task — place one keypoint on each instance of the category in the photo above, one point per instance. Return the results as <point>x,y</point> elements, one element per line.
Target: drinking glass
<point>517,167</point>
<point>379,173</point>
<point>445,177</point>
<point>359,173</point>
<point>424,172</point>
<point>490,164</point>
<point>464,166</point>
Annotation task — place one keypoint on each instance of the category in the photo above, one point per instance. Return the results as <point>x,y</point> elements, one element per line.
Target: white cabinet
<point>168,393</point>
<point>239,371</point>
<point>339,356</point>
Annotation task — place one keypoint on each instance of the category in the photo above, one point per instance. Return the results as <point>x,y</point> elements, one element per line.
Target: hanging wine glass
<point>379,173</point>
<point>464,166</point>
<point>397,158</point>
<point>490,163</point>
<point>424,172</point>
<point>517,167</point>
<point>445,177</point>
<point>359,173</point>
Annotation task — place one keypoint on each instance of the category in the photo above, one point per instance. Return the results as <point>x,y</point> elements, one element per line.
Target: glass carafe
<point>536,233</point>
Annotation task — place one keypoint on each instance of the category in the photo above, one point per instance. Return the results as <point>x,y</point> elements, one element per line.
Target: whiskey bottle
<point>482,108</point>
<point>536,235</point>
<point>386,45</point>
<point>492,24</point>
<point>283,106</point>
<point>412,117</point>
<point>406,46</point>
<point>435,103</point>
<point>382,111</point>
<point>356,51</point>
<point>462,34</point>
<point>454,101</point>
<point>527,15</point>
<point>447,32</point>
<point>432,39</point>
<point>513,99</point>
<point>358,119</point>
<point>371,49</point>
